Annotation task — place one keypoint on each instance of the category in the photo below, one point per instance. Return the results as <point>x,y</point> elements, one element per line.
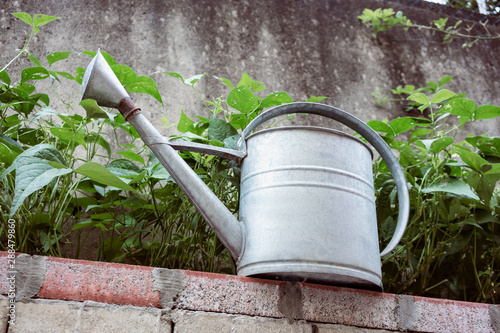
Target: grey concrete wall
<point>56,316</point>
<point>304,47</point>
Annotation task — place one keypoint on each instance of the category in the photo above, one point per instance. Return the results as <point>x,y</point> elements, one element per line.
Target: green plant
<point>384,19</point>
<point>64,188</point>
<point>451,246</point>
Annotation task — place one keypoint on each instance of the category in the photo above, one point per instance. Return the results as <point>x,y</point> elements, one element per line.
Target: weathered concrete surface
<point>131,295</point>
<point>189,321</point>
<point>30,275</point>
<point>4,312</point>
<point>59,316</point>
<point>170,283</point>
<point>303,47</point>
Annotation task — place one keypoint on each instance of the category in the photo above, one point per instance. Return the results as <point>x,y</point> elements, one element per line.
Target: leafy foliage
<point>451,246</point>
<point>384,19</point>
<point>491,7</point>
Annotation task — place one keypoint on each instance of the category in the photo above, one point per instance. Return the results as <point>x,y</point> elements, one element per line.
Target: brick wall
<point>65,295</point>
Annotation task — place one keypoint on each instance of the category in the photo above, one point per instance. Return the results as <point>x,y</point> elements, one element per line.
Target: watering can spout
<point>101,84</point>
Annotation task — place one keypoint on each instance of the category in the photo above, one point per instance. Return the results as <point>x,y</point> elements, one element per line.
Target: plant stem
<point>22,51</point>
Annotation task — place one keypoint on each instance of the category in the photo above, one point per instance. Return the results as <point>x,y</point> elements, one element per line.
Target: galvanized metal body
<point>308,208</point>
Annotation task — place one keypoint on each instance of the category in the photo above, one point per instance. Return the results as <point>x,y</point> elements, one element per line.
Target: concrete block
<point>188,322</point>
<point>351,307</point>
<point>4,312</point>
<point>46,316</point>
<point>243,324</point>
<point>441,315</point>
<point>327,328</point>
<point>231,294</point>
<point>4,267</point>
<point>98,317</point>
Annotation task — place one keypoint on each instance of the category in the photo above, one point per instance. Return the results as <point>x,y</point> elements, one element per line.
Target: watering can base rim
<point>313,273</point>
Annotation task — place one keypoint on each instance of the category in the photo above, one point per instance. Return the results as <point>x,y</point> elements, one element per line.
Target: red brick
<point>81,280</point>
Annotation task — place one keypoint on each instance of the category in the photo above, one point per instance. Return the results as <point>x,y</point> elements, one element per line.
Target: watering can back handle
<point>365,131</point>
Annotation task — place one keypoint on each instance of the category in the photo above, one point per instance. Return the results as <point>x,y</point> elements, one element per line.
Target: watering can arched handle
<point>365,131</point>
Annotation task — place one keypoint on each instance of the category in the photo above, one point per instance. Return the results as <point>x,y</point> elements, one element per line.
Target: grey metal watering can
<point>307,204</point>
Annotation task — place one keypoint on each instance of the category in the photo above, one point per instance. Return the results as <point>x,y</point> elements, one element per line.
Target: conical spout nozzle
<point>101,84</point>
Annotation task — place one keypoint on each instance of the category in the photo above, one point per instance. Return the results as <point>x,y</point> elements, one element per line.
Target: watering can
<point>307,204</point>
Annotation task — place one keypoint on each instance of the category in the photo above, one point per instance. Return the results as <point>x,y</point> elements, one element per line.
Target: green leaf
<point>441,23</point>
<point>242,99</point>
<point>132,156</point>
<point>80,72</point>
<point>109,59</point>
<point>123,168</point>
<point>458,243</point>
<point>65,75</point>
<point>219,130</point>
<point>33,171</point>
<point>246,80</point>
<point>100,174</point>
<point>93,110</point>
<point>225,81</point>
<point>463,108</point>
<point>432,86</point>
<point>37,176</point>
<point>380,126</point>
<point>87,223</point>
<point>487,112</point>
<point>232,142</point>
<point>72,121</point>
<point>124,74</point>
<point>314,99</point>
<point>440,144</point>
<point>144,85</point>
<point>67,135</point>
<point>34,60</point>
<point>185,124</point>
<point>453,186</point>
<point>192,80</point>
<point>444,80</point>
<point>442,95</point>
<point>418,133</point>
<point>176,75</point>
<point>25,17</point>
<point>5,77</point>
<point>8,152</point>
<point>483,184</point>
<point>45,111</point>
<point>403,124</point>
<point>41,19</point>
<point>387,228</point>
<point>57,56</point>
<point>34,73</point>
<point>472,159</point>
<point>276,99</point>
<point>419,98</point>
